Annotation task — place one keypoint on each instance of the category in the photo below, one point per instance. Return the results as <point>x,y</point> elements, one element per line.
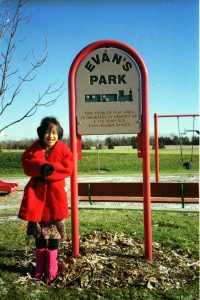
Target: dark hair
<point>46,124</point>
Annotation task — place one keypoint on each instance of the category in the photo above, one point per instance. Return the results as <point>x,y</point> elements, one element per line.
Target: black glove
<point>46,170</point>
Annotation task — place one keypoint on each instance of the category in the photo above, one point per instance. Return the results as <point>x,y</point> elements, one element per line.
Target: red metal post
<point>145,152</point>
<point>74,176</point>
<point>79,147</point>
<point>183,115</point>
<point>156,147</point>
<point>146,164</point>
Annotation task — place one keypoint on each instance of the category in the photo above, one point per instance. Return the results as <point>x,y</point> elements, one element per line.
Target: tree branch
<point>22,79</point>
<point>9,22</point>
<point>39,103</point>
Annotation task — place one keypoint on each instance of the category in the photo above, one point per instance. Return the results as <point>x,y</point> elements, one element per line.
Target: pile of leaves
<point>109,260</point>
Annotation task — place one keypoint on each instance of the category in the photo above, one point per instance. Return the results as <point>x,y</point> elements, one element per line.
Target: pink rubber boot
<point>52,264</point>
<point>40,262</point>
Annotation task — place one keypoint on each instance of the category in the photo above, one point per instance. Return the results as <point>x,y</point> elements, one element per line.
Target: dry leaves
<point>109,260</point>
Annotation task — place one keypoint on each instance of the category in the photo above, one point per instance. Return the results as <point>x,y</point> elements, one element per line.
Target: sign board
<point>108,93</point>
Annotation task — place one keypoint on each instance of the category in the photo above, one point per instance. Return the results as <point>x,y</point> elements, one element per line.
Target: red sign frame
<point>143,148</point>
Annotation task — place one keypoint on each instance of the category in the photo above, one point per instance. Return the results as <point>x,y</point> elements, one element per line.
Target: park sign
<point>108,93</point>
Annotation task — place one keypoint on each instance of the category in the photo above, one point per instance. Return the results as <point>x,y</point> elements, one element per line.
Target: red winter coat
<point>45,199</point>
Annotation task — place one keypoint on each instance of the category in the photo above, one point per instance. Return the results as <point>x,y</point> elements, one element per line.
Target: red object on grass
<point>8,187</point>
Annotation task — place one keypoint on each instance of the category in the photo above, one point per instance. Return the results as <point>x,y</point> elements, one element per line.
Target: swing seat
<point>187,165</point>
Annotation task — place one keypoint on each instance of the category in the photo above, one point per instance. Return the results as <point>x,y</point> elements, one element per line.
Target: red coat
<point>45,200</point>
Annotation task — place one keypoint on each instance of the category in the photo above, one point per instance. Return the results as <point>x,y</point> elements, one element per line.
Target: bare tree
<point>11,79</point>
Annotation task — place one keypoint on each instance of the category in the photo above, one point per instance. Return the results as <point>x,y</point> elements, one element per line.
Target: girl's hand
<point>46,170</point>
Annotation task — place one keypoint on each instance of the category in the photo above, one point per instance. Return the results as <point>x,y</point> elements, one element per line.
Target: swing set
<point>186,164</point>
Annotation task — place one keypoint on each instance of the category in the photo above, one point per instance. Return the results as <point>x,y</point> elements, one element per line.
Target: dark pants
<point>51,244</point>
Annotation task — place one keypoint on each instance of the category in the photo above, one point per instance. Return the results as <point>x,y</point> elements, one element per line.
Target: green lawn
<point>118,161</point>
<point>129,163</point>
<point>170,229</point>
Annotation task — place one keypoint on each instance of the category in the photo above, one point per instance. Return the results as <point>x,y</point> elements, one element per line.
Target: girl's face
<point>51,137</point>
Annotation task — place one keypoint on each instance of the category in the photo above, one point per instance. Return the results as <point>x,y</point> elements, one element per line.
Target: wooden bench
<point>162,192</point>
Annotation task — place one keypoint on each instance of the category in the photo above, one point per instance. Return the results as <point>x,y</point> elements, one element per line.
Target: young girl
<point>44,205</point>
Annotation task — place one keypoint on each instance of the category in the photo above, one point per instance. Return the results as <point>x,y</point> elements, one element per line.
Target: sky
<point>164,33</point>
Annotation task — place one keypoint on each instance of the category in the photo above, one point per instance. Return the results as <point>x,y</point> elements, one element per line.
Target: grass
<point>112,162</point>
<point>173,230</point>
<point>116,163</point>
<point>10,164</point>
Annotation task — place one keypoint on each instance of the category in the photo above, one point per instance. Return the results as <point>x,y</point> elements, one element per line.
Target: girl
<point>44,205</point>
